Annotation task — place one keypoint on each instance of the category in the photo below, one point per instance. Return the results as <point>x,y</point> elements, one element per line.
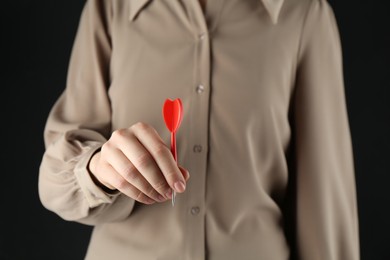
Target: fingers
<point>185,173</point>
<point>145,165</point>
<point>117,181</point>
<point>137,162</point>
<point>161,155</point>
<point>126,169</point>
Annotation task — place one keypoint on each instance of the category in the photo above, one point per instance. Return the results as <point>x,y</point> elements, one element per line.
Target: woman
<point>265,132</point>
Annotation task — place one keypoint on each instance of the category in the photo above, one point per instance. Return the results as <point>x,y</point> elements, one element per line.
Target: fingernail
<point>169,194</point>
<point>150,201</point>
<point>179,186</point>
<point>161,198</point>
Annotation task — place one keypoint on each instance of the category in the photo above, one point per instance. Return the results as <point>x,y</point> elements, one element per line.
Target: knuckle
<point>141,126</point>
<point>150,191</point>
<point>141,197</point>
<point>130,173</point>
<point>128,169</point>
<point>106,146</point>
<point>161,186</point>
<point>121,184</point>
<point>161,150</point>
<point>171,174</point>
<point>143,161</point>
<point>119,133</point>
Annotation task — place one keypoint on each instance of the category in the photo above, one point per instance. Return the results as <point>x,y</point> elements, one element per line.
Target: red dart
<point>173,115</point>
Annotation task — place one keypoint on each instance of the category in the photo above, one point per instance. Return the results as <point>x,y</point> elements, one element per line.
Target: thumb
<point>185,173</point>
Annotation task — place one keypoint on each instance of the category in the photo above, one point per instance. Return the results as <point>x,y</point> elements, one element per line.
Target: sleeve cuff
<point>94,195</point>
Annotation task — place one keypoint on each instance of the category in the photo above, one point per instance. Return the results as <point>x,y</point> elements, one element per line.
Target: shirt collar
<point>273,8</point>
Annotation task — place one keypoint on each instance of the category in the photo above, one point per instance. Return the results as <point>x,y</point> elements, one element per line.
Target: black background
<point>37,38</point>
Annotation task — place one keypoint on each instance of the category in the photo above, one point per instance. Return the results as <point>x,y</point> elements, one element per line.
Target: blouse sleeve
<point>78,124</point>
<point>326,206</point>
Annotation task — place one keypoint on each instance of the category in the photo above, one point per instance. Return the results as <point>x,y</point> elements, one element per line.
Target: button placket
<point>199,132</point>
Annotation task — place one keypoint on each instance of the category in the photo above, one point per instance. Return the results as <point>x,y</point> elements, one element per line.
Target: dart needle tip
<point>173,199</point>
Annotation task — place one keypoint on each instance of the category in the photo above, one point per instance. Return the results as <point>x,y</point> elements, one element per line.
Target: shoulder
<point>302,8</point>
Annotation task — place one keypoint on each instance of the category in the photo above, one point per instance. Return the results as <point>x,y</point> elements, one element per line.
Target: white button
<point>197,148</point>
<point>199,89</point>
<point>195,211</point>
<point>202,36</point>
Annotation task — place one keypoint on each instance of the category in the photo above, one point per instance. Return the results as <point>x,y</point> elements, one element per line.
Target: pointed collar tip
<point>135,7</point>
<point>273,8</point>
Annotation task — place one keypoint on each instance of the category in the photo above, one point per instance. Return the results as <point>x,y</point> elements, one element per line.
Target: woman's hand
<point>137,162</point>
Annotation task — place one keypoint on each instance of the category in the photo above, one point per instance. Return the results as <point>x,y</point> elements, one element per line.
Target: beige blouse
<point>265,133</point>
